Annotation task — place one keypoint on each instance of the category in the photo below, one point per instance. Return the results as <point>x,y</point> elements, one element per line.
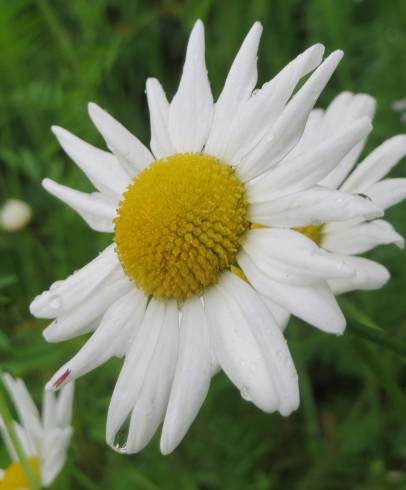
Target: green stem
<point>361,326</point>
<point>8,423</point>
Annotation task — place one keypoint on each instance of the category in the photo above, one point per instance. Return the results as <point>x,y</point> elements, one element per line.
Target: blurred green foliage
<point>55,56</point>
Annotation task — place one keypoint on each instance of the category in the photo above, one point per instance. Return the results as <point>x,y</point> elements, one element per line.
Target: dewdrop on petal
<point>15,215</point>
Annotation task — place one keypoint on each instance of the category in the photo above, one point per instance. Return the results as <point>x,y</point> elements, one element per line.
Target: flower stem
<point>8,423</point>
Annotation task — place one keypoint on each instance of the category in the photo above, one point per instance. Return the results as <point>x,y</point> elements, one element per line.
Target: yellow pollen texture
<point>180,224</point>
<point>14,477</point>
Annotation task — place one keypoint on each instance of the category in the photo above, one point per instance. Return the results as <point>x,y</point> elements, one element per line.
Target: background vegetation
<point>55,56</point>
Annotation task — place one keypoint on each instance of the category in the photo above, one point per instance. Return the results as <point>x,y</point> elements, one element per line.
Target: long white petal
<point>161,143</point>
<point>312,207</point>
<point>292,258</point>
<point>64,405</point>
<point>55,445</point>
<point>192,376</point>
<point>64,295</point>
<point>135,369</point>
<point>86,315</point>
<point>100,167</point>
<point>352,108</point>
<point>387,192</point>
<point>361,237</point>
<point>280,314</point>
<point>241,81</point>
<point>259,113</point>
<point>95,208</point>
<point>306,170</point>
<point>368,275</point>
<point>25,407</point>
<point>377,164</point>
<point>269,338</point>
<point>131,153</point>
<point>151,404</point>
<point>191,110</point>
<point>237,351</point>
<point>290,125</point>
<point>115,332</point>
<point>314,304</point>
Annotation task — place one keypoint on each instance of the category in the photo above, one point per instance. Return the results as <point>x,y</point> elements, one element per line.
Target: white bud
<point>14,215</point>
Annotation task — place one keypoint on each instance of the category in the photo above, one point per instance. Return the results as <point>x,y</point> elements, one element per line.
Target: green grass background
<point>349,432</point>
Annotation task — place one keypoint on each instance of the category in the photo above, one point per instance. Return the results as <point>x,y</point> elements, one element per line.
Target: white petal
<point>131,153</point>
<point>191,109</point>
<point>64,405</point>
<point>85,316</point>
<point>376,165</point>
<point>135,368</point>
<point>237,350</point>
<point>352,107</point>
<point>241,81</point>
<point>257,115</point>
<point>306,170</point>
<point>7,441</point>
<point>96,209</point>
<point>388,192</point>
<point>314,304</point>
<point>192,376</point>
<point>270,339</point>
<point>290,257</point>
<point>151,404</point>
<point>55,446</point>
<point>100,167</point>
<point>281,315</point>
<point>49,411</point>
<point>312,207</point>
<point>62,296</point>
<point>25,407</point>
<point>368,275</point>
<point>115,332</point>
<point>360,238</point>
<point>161,143</point>
<point>290,125</point>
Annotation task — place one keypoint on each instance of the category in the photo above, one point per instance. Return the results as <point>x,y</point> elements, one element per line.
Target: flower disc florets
<point>180,224</point>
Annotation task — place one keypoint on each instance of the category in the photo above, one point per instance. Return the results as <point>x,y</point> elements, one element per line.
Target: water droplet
<point>120,440</point>
<point>55,302</point>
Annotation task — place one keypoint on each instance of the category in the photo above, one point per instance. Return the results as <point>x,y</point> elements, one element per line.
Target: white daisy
<point>170,294</point>
<point>350,238</point>
<point>44,439</point>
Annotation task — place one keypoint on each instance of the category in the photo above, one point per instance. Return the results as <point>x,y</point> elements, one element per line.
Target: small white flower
<point>350,238</point>
<point>44,438</point>
<point>15,215</point>
<point>187,287</point>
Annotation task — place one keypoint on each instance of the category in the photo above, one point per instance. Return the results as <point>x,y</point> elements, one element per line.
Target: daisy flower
<point>350,238</point>
<point>44,439</point>
<point>171,293</point>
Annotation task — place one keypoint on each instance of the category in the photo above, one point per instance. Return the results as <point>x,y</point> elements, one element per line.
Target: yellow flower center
<point>180,224</point>
<point>14,477</point>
